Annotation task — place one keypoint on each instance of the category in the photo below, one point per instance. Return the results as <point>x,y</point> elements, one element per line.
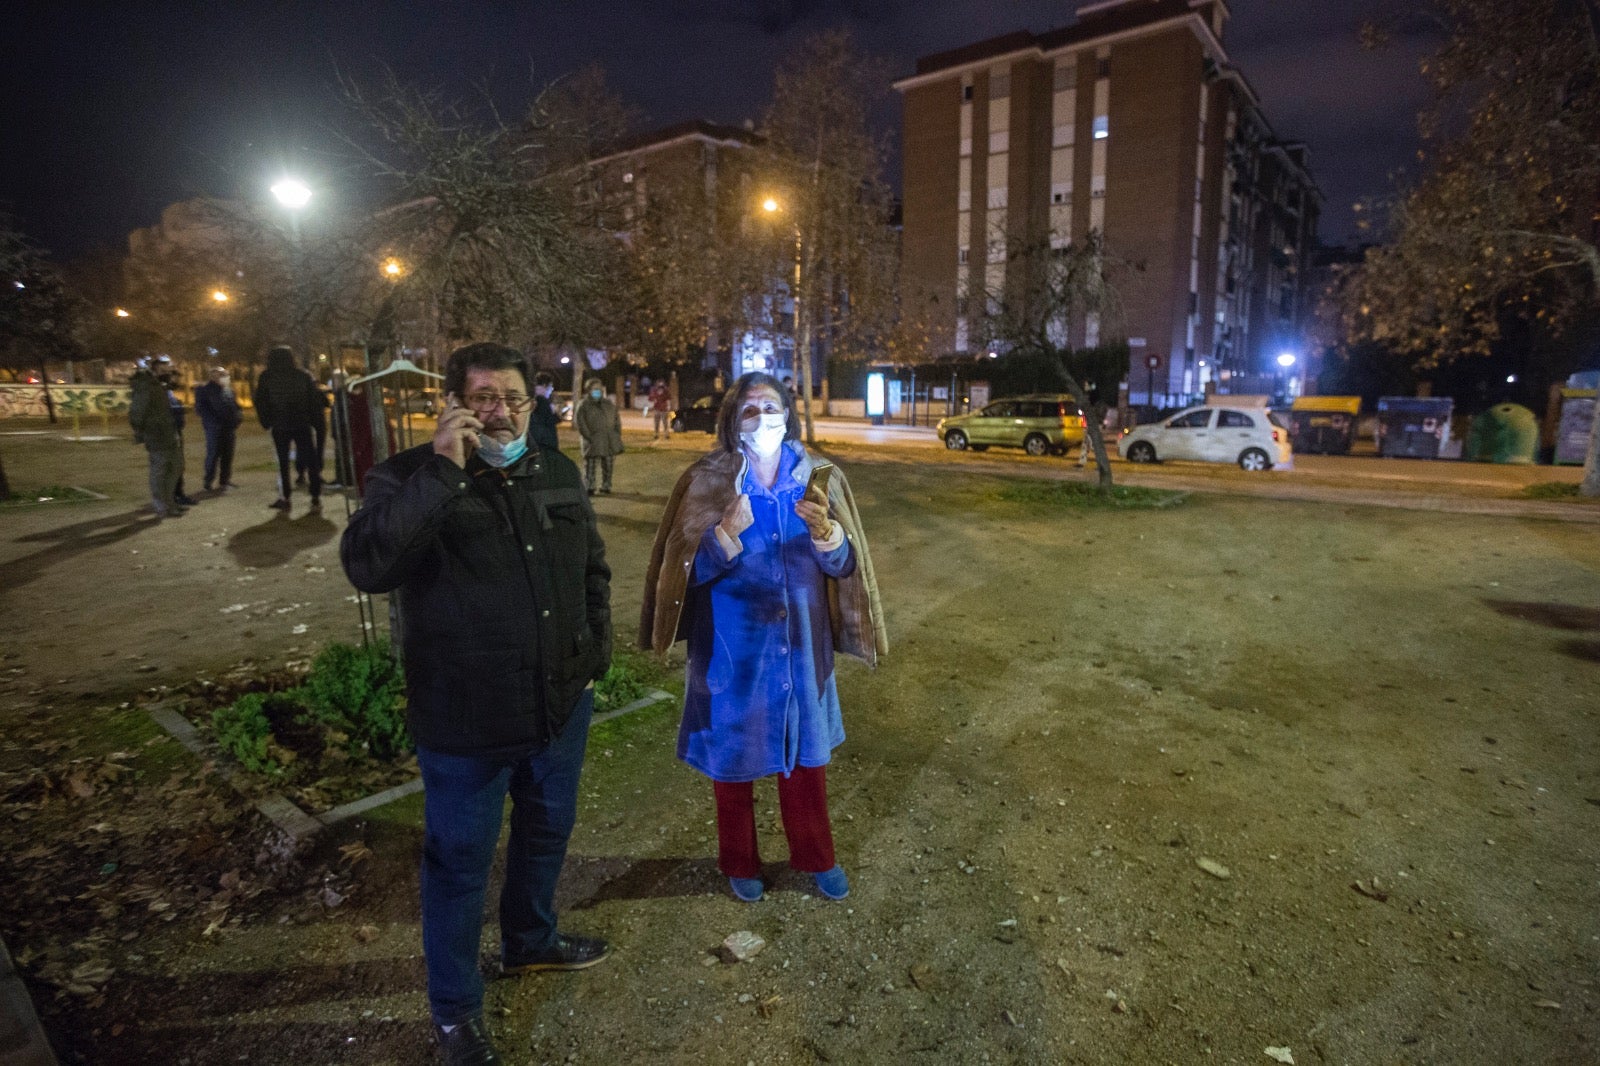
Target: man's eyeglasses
<point>487,401</point>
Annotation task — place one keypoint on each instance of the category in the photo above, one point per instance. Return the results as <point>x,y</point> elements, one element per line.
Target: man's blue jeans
<point>464,805</point>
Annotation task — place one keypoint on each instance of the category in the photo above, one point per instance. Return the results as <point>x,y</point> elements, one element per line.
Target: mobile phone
<point>817,484</point>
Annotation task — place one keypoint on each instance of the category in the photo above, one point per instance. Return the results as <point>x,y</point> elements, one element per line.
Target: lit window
<point>1102,127</point>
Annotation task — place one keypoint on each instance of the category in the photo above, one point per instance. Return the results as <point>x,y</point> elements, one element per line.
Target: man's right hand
<point>457,435</point>
<point>737,518</point>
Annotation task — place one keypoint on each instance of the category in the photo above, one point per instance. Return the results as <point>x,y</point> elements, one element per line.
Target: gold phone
<point>817,484</point>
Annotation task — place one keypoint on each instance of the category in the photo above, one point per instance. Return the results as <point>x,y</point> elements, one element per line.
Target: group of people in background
<point>288,402</point>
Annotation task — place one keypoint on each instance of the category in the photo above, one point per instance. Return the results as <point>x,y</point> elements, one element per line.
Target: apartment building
<point>698,181</point>
<point>1131,121</point>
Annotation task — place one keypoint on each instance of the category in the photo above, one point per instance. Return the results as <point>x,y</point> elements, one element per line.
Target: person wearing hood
<point>766,578</point>
<point>219,413</point>
<point>289,405</point>
<point>492,559</point>
<point>599,435</point>
<point>158,426</point>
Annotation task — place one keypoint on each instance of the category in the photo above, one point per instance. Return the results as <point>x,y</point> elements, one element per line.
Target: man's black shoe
<point>566,953</point>
<point>280,504</point>
<point>467,1044</point>
<point>187,501</point>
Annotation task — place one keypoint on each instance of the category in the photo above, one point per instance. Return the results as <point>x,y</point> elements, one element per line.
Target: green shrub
<point>244,732</point>
<point>360,692</point>
<point>620,687</point>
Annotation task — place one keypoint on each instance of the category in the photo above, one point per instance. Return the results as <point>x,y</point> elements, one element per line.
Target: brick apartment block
<point>1130,121</point>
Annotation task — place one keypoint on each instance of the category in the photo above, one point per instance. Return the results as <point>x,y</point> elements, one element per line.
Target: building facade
<point>1132,122</point>
<point>696,184</point>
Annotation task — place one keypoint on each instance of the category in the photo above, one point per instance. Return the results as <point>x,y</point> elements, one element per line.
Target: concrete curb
<point>296,824</point>
<point>22,1041</point>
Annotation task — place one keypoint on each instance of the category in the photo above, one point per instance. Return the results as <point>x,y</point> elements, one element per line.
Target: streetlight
<point>802,340</point>
<point>294,194</point>
<point>122,312</point>
<point>219,296</point>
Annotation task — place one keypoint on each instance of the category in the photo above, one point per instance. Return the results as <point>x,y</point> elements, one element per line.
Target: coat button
<point>461,484</point>
<point>530,547</point>
<point>544,613</point>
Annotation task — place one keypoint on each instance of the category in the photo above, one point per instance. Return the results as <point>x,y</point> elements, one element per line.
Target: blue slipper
<point>833,883</point>
<point>748,889</point>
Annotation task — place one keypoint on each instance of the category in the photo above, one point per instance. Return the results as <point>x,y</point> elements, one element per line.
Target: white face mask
<point>765,437</point>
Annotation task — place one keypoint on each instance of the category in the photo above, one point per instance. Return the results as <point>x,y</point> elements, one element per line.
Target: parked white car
<point>1250,436</point>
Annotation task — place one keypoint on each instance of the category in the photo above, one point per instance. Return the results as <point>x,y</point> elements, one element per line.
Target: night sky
<point>115,110</point>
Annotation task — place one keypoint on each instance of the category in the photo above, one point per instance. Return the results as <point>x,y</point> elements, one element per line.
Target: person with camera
<point>761,564</point>
<point>490,549</point>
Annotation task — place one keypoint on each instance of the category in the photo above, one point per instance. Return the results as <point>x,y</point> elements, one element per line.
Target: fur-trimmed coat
<point>697,503</point>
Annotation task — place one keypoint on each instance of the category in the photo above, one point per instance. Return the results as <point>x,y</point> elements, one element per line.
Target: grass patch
<point>632,675</point>
<point>1078,494</point>
<point>1554,490</point>
<point>48,494</point>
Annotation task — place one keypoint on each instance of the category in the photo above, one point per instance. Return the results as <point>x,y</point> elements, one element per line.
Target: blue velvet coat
<point>761,697</point>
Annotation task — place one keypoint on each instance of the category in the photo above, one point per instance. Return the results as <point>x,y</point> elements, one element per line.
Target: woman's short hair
<point>728,413</point>
<point>486,355</point>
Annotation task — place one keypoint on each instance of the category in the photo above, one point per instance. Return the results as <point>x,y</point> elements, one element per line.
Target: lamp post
<point>1285,361</point>
<point>802,326</point>
<point>294,195</point>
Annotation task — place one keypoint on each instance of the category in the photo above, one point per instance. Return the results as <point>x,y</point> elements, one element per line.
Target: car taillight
<point>1275,438</point>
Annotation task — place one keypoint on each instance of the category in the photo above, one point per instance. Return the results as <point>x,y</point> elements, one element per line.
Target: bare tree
<point>484,225</point>
<point>826,176</point>
<point>1501,225</point>
<point>1050,294</point>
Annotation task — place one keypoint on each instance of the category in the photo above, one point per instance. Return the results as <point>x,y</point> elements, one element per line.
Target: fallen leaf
<point>1280,1054</point>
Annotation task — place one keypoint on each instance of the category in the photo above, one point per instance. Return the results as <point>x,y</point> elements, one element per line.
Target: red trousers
<point>803,804</point>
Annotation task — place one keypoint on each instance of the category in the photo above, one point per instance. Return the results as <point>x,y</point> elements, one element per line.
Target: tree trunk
<point>1094,418</point>
<point>5,486</point>
<point>49,401</point>
<point>1590,486</point>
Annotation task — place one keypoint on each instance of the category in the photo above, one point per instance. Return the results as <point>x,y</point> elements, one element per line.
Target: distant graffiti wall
<point>27,401</point>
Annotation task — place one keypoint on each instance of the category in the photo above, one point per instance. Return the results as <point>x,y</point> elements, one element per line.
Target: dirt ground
<point>1142,786</point>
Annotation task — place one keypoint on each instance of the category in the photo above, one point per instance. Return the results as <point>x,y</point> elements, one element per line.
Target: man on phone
<point>492,553</point>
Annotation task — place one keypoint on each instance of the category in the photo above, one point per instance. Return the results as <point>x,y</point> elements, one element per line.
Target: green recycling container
<point>1505,433</point>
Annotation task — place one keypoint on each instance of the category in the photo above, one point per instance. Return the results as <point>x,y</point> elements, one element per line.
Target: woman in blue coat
<point>764,582</point>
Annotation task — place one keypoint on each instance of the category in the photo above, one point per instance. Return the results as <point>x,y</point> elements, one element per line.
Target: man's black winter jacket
<point>503,590</point>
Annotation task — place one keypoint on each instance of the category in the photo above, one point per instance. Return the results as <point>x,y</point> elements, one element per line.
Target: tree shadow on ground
<point>279,539</point>
<point>1564,616</point>
<point>68,542</point>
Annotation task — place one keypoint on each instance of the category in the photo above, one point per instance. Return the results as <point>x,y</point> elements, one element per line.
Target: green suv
<point>1039,425</point>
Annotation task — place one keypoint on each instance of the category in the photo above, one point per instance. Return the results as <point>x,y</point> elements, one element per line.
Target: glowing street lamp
<point>219,296</point>
<point>1286,360</point>
<point>122,312</point>
<point>292,193</point>
<point>393,268</point>
<point>802,346</point>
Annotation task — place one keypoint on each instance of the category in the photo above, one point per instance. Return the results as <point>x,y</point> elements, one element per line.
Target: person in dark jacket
<point>542,429</point>
<point>498,574</point>
<point>304,460</point>
<point>289,405</point>
<point>150,415</point>
<point>219,413</point>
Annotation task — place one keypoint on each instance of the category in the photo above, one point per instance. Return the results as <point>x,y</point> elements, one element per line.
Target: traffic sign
<point>1153,361</point>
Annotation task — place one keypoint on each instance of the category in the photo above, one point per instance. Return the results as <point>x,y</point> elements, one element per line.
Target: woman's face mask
<point>762,422</point>
<point>595,394</point>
